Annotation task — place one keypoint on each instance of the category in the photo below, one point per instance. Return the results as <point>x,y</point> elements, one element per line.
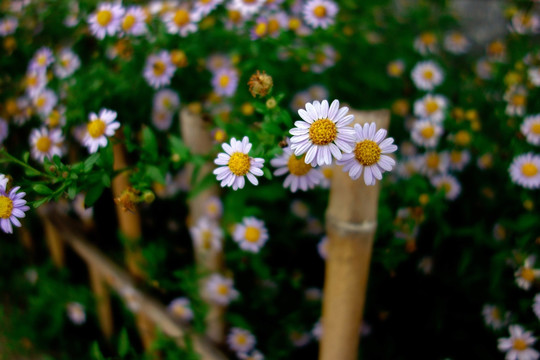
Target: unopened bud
<point>260,84</point>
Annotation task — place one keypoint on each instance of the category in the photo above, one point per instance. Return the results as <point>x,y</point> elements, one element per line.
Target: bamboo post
<point>52,238</point>
<point>351,222</point>
<point>197,137</point>
<point>103,301</point>
<point>129,223</point>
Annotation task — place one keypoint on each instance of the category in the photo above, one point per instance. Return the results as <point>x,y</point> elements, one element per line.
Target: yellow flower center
<point>252,234</point>
<point>327,172</point>
<point>181,17</point>
<point>241,339</point>
<point>104,17</point>
<point>220,136</point>
<point>273,26</point>
<point>43,144</point>
<point>367,152</point>
<point>455,156</point>
<point>428,38</point>
<point>431,106</point>
<point>496,314</point>
<point>298,167</point>
<point>235,16</point>
<point>319,11</point>
<point>320,58</point>
<point>6,207</point>
<point>527,274</point>
<point>428,74</point>
<point>518,100</point>
<point>446,187</point>
<point>395,69</point>
<point>535,128</point>
<point>128,22</point>
<point>432,160</point>
<point>64,62</point>
<point>54,119</point>
<point>224,81</point>
<point>322,132</point>
<point>519,345</point>
<point>179,310</point>
<point>159,68</point>
<point>239,164</point>
<point>249,1</point>
<point>428,131</point>
<point>463,138</point>
<point>457,38</point>
<point>222,289</point>
<point>32,80</point>
<point>261,29</point>
<point>96,128</point>
<point>41,101</point>
<point>529,169</point>
<point>294,23</point>
<point>42,60</point>
<point>496,48</point>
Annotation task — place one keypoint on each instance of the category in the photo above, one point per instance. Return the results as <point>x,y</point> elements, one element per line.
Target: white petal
<point>333,109</point>
<point>312,152</point>
<point>311,111</point>
<point>368,177</point>
<point>305,116</point>
<point>324,109</point>
<point>381,133</point>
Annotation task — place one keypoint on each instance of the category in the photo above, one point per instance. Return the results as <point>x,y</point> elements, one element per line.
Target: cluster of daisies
<point>12,205</point>
<point>321,136</point>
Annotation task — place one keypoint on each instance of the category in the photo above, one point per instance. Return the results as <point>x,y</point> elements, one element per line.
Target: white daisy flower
<point>395,68</point>
<point>484,69</point>
<point>516,98</point>
<point>426,133</point>
<point>41,59</point>
<point>181,21</point>
<point>247,8</point>
<point>225,81</point>
<point>8,25</point>
<point>536,305</point>
<point>527,274</point>
<point>45,143</point>
<point>3,181</point>
<point>299,100</point>
<point>99,128</point>
<point>317,330</point>
<point>57,118</point>
<point>368,154</point>
<point>162,119</point>
<point>525,170</point>
<point>24,110</point>
<point>76,313</point>
<point>494,318</point>
<point>235,19</point>
<point>496,51</point>
<point>134,21</point>
<point>12,207</point>
<point>180,309</point>
<point>207,235</point>
<point>106,20</point>
<point>4,130</point>
<point>300,175</point>
<point>213,208</point>
<point>313,294</point>
<point>456,43</point>
<point>323,58</point>
<point>517,346</point>
<point>525,23</point>
<point>317,92</point>
<point>35,81</point>
<point>166,100</point>
<point>218,61</point>
<point>235,163</point>
<point>205,7</point>
<point>426,43</point>
<point>68,62</point>
<point>250,234</point>
<point>531,129</point>
<point>159,69</point>
<point>433,163</point>
<point>324,133</point>
<point>322,247</point>
<point>431,107</point>
<point>427,75</point>
<point>300,209</point>
<point>254,355</point>
<point>534,75</point>
<point>44,102</point>
<point>219,290</point>
<point>449,184</point>
<point>459,159</point>
<point>320,13</point>
<point>485,161</point>
<point>240,340</point>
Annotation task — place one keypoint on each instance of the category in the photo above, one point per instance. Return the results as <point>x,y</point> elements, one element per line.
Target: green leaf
<point>106,180</point>
<point>202,185</point>
<point>42,189</point>
<point>96,352</point>
<point>123,343</point>
<point>93,195</point>
<point>40,202</point>
<point>155,173</point>
<point>72,192</point>
<point>267,173</point>
<point>149,144</point>
<point>89,163</point>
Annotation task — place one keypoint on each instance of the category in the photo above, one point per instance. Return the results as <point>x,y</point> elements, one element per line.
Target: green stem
<point>13,159</point>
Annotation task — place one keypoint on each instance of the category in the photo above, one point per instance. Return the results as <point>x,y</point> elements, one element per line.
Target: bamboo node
<point>346,227</point>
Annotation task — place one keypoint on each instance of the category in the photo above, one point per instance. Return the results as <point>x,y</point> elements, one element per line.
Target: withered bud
<point>260,84</point>
<point>271,103</point>
<point>149,197</point>
<point>128,199</point>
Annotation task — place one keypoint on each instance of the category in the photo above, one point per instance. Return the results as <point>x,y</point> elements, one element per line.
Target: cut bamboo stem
<point>351,222</point>
<point>119,280</point>
<point>103,301</point>
<point>130,227</point>
<point>197,137</point>
<point>52,238</point>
